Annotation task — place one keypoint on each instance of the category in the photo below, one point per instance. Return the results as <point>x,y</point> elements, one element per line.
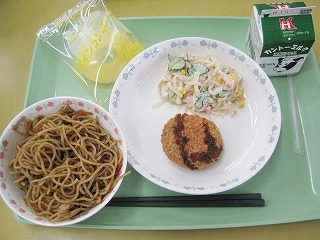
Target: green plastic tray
<point>289,183</point>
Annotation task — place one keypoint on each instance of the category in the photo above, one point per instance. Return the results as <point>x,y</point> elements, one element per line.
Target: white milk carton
<point>280,36</point>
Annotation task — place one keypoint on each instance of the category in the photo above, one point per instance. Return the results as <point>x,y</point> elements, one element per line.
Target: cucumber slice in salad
<point>177,63</point>
<point>225,93</point>
<point>198,67</point>
<point>204,99</point>
<point>171,57</point>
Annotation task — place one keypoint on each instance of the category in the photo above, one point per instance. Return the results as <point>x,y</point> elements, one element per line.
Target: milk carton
<point>280,36</point>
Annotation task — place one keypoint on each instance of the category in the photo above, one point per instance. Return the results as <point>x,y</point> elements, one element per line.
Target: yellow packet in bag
<point>92,41</point>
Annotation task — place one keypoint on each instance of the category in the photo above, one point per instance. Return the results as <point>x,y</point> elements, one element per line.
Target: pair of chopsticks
<point>223,200</point>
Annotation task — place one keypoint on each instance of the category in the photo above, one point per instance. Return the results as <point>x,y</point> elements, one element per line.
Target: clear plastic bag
<point>94,44</point>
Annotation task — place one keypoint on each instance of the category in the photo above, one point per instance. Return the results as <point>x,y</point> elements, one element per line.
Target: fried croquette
<point>191,141</point>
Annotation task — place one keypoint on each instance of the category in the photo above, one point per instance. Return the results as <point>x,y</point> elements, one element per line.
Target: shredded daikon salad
<point>202,83</point>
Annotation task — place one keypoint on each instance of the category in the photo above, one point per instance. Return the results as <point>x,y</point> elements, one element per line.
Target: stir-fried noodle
<point>66,164</point>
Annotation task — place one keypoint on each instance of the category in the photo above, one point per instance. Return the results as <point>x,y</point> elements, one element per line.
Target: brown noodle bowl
<point>66,164</point>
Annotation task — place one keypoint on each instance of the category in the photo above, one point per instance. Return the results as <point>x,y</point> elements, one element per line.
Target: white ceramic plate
<point>250,136</point>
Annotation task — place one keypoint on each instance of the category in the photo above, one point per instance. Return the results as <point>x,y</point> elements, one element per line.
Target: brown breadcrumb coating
<point>191,141</point>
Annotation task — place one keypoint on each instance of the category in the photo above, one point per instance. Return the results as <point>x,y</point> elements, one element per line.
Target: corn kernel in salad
<point>240,90</point>
<point>233,76</point>
<point>240,104</point>
<point>219,80</point>
<point>183,72</point>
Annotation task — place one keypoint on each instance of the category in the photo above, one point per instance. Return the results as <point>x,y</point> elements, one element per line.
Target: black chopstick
<point>223,200</point>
